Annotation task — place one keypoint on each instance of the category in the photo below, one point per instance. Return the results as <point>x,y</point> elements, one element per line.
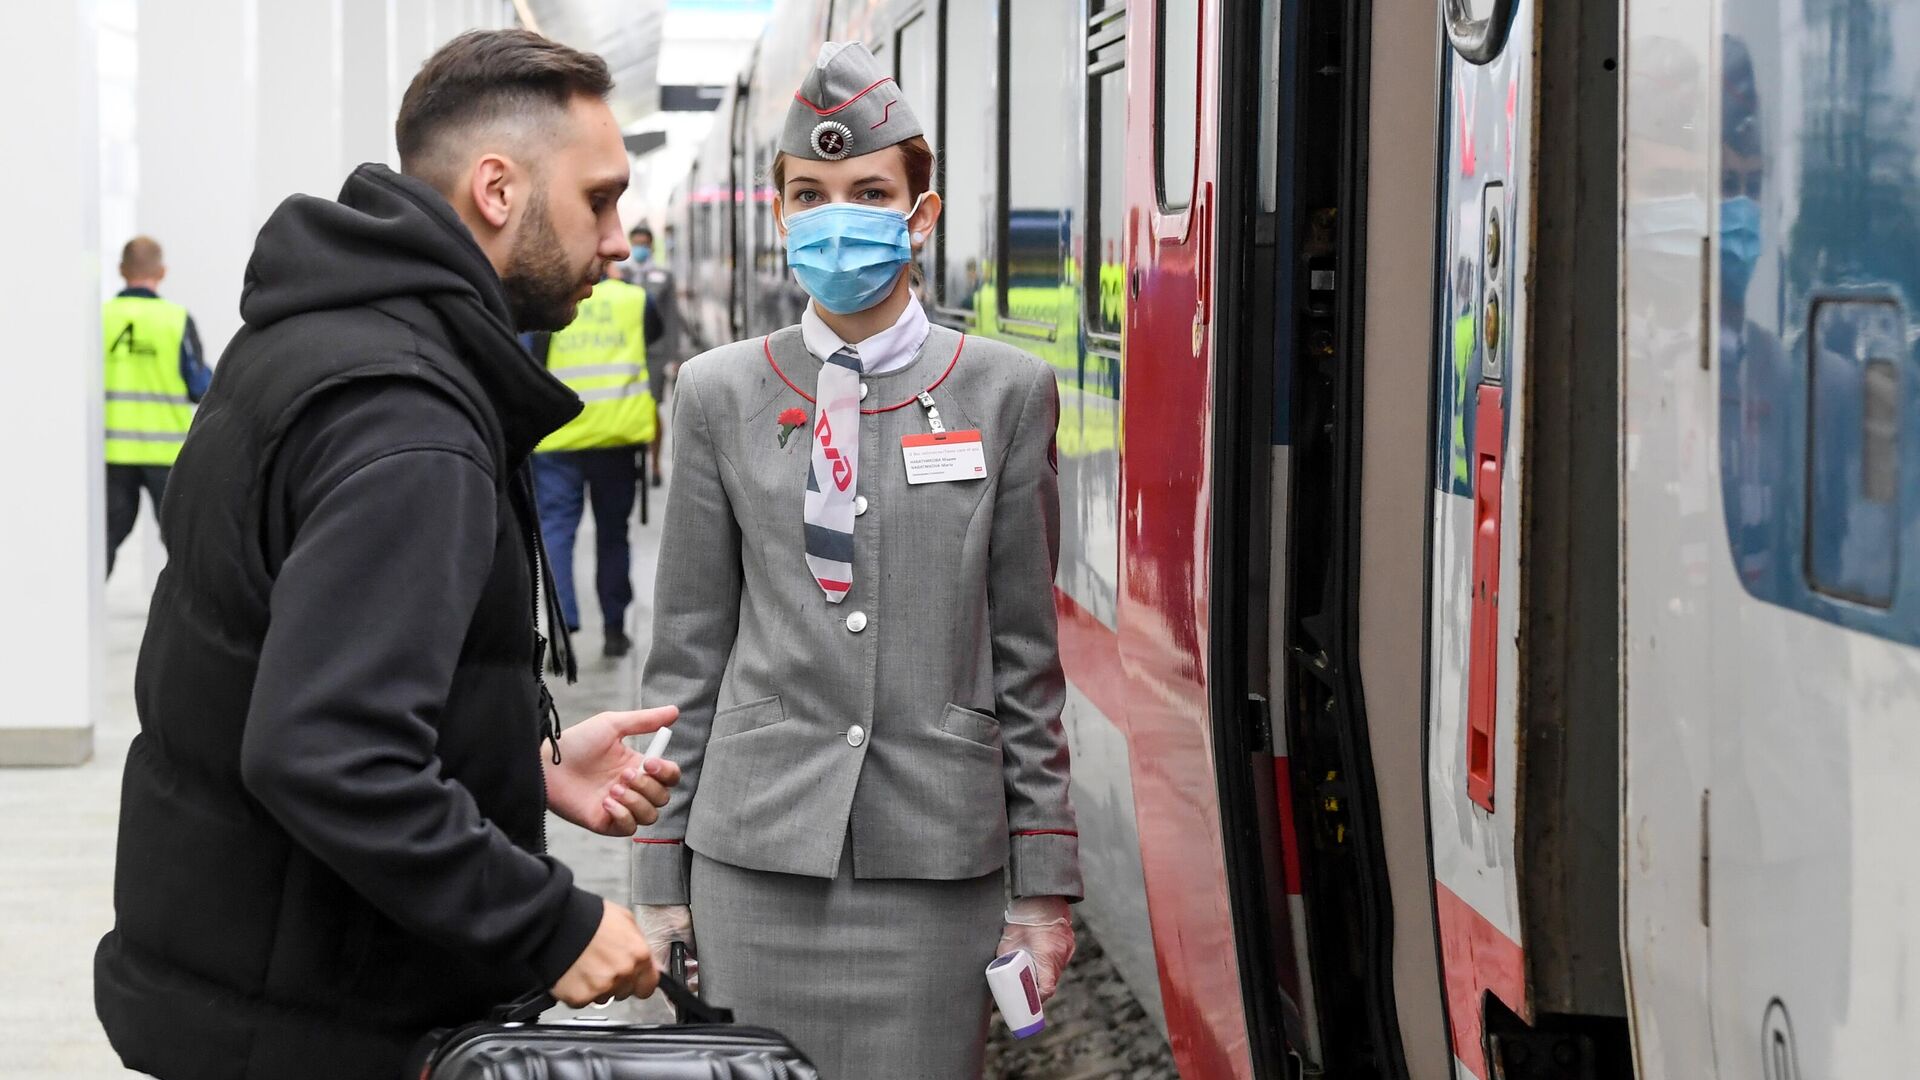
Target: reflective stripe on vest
<point>148,410</point>
<point>602,356</point>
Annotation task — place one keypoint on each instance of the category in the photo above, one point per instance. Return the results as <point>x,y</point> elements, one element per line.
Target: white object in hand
<point>1016,989</point>
<point>658,746</point>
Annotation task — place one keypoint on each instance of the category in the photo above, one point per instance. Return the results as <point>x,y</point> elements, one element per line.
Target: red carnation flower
<point>789,420</point>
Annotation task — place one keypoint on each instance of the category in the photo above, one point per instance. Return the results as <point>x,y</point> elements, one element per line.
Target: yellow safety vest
<point>147,406</point>
<point>602,356</point>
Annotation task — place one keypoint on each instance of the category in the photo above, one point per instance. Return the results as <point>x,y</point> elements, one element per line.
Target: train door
<point>739,181</point>
<point>1811,875</point>
<point>1163,617</point>
<point>1472,752</point>
<point>1523,722</point>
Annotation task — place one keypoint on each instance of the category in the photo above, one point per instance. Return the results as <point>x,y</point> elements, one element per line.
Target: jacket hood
<point>392,237</point>
<point>387,236</point>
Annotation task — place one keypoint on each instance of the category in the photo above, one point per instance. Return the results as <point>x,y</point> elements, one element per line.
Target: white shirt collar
<point>886,352</point>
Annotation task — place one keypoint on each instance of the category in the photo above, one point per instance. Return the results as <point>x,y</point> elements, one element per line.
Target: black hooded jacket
<point>332,824</point>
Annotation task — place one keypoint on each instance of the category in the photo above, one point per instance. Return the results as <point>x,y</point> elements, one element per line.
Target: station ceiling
<point>626,34</point>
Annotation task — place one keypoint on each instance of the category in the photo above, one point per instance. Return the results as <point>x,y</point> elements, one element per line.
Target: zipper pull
<point>550,720</point>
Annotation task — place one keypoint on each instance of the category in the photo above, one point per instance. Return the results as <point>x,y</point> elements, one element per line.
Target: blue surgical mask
<point>641,253</point>
<point>848,256</point>
<point>1739,245</point>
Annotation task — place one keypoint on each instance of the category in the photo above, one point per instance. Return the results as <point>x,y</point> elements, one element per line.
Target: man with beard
<point>332,834</point>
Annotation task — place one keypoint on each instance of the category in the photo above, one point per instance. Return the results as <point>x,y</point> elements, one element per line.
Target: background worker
<point>599,454</point>
<point>155,374</point>
<point>642,268</point>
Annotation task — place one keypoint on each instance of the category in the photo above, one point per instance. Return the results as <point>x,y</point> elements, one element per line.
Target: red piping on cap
<point>829,112</point>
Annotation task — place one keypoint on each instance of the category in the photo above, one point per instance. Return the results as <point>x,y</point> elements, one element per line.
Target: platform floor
<point>57,831</point>
<point>57,846</point>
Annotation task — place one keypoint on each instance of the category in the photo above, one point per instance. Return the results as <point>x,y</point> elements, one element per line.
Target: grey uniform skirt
<point>874,979</point>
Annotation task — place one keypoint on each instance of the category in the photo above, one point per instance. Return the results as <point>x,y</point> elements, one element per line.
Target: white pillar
<point>297,117</point>
<point>411,29</point>
<point>366,112</point>
<point>198,91</point>
<point>51,654</point>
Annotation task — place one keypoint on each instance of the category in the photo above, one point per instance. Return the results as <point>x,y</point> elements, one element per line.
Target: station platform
<point>57,853</point>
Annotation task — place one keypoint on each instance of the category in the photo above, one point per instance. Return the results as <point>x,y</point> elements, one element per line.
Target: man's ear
<point>494,189</point>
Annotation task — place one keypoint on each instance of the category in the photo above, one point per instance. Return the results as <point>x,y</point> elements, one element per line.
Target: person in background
<point>861,634</point>
<point>155,374</point>
<point>645,269</point>
<point>603,356</point>
<point>333,822</point>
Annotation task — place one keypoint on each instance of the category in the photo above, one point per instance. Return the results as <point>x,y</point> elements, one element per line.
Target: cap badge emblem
<point>832,140</point>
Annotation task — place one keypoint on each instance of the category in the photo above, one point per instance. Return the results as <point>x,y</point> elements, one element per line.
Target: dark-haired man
<point>332,827</point>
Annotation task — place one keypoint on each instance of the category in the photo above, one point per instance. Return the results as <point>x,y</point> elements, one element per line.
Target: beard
<point>539,282</point>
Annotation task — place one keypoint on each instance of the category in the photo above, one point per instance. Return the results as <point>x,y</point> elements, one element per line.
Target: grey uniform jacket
<point>950,672</point>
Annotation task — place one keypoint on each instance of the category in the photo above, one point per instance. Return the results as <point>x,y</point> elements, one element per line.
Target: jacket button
<point>859,505</point>
<point>857,621</point>
<point>856,735</point>
<point>864,388</point>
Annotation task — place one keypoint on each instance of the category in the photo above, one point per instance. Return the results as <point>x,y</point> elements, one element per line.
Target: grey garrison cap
<point>848,105</point>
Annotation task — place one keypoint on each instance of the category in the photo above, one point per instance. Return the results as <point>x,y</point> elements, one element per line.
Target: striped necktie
<point>833,473</point>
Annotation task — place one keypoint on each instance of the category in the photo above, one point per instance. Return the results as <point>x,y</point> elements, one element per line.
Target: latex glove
<point>1040,925</point>
<point>665,924</point>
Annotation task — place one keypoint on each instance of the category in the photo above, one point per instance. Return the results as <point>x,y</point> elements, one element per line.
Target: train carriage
<point>1484,444</point>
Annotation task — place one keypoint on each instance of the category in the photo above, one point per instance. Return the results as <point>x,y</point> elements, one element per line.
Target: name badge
<point>941,457</point>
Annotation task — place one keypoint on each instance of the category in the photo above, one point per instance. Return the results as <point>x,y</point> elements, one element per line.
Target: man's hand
<point>601,784</point>
<point>616,964</point>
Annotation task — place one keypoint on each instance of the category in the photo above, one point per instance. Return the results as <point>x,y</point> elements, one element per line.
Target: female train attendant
<point>854,613</point>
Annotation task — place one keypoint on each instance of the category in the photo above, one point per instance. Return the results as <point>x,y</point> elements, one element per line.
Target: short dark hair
<point>637,230</point>
<point>480,78</point>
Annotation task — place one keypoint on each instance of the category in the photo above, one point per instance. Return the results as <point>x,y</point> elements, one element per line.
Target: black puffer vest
<point>236,953</point>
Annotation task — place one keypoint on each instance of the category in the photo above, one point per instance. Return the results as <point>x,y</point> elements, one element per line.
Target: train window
<point>1105,249</point>
<point>1037,161</point>
<point>967,161</point>
<point>1177,130</point>
<point>1853,443</point>
<point>914,67</point>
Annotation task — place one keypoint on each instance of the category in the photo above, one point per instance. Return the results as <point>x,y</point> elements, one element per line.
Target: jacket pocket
<point>971,725</point>
<point>751,716</point>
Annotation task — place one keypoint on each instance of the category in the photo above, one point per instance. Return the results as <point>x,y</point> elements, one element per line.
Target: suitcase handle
<point>686,1005</point>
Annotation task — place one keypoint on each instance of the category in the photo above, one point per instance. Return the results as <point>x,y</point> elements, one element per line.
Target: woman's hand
<point>601,784</point>
<point>665,924</point>
<point>1040,925</point>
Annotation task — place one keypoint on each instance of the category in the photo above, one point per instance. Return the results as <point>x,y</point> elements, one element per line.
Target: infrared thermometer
<point>1016,989</point>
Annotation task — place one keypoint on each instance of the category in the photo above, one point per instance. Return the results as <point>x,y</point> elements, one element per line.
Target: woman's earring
<point>919,237</point>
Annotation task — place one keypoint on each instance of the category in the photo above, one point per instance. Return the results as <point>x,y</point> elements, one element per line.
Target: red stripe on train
<point>1090,652</point>
<point>1289,840</point>
<point>1479,960</point>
